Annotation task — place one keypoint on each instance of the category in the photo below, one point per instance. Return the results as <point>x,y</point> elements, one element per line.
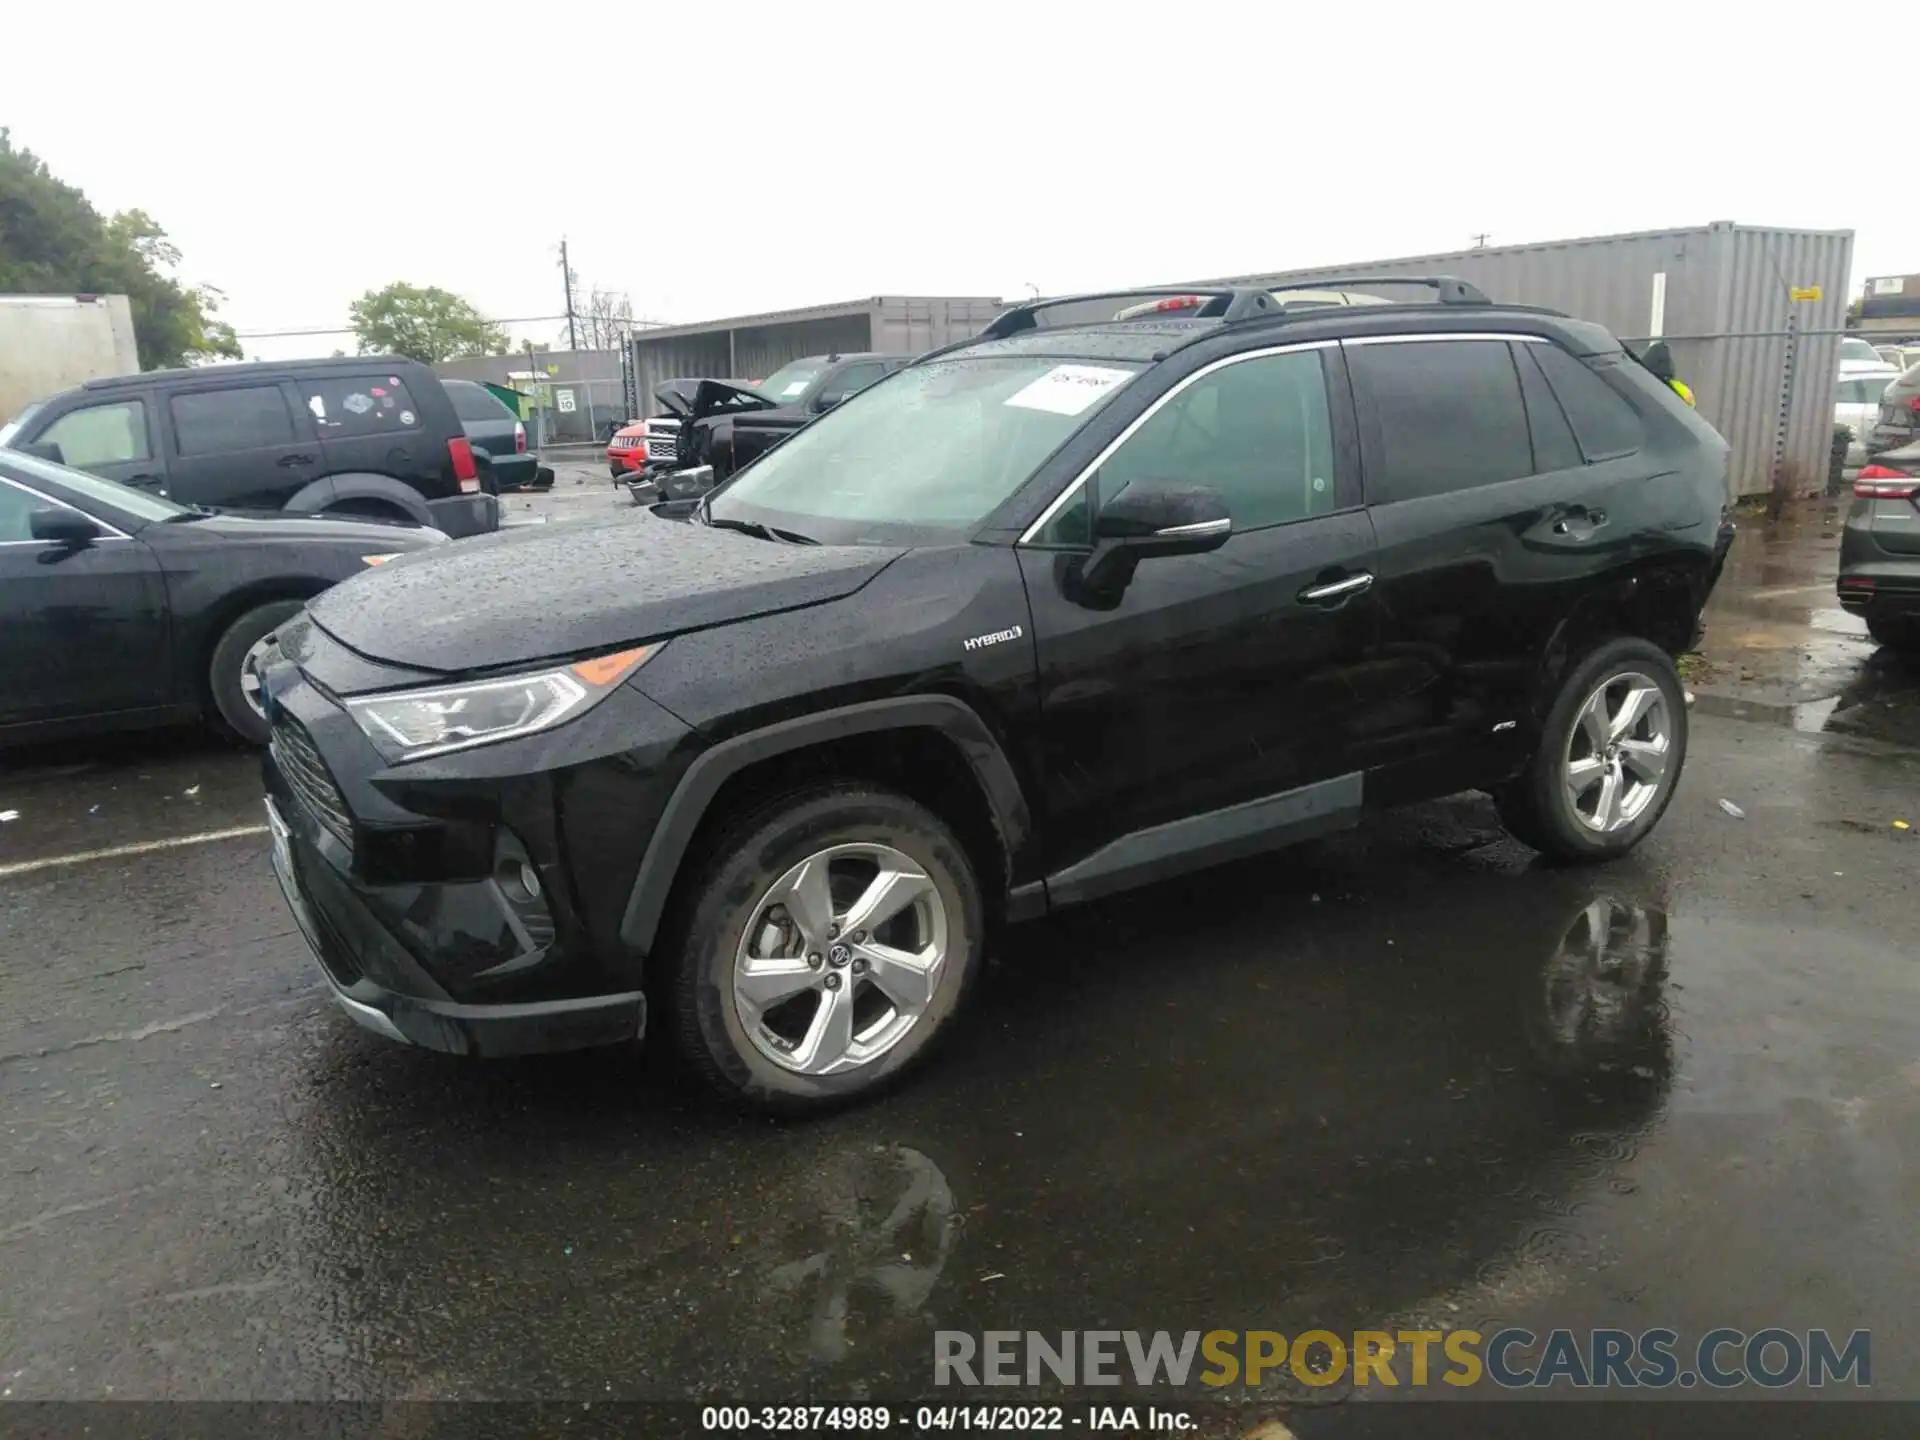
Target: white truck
<point>50,343</point>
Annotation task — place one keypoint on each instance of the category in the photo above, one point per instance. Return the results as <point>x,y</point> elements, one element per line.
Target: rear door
<point>1212,679</point>
<point>237,447</point>
<point>110,437</point>
<point>1495,470</point>
<point>83,631</point>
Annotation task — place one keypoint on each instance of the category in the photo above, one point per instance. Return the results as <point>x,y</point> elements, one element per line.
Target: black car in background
<point>725,423</point>
<point>497,431</point>
<point>367,435</point>
<point>1050,614</point>
<point>120,609</point>
<point>1879,576</point>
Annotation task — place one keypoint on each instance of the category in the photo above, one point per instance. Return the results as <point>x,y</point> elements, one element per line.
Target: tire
<point>715,1031</point>
<point>1538,807</point>
<point>1896,632</point>
<point>227,671</point>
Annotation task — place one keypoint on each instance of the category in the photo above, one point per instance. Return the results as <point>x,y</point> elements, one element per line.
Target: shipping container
<point>50,343</point>
<point>751,347</point>
<point>1722,295</point>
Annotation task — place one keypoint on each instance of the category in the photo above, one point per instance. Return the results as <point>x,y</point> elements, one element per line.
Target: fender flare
<point>330,490</point>
<point>712,768</point>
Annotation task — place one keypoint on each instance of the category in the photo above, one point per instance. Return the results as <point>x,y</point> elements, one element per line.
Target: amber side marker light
<point>604,670</point>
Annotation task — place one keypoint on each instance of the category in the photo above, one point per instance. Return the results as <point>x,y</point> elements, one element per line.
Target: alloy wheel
<point>250,675</point>
<point>840,959</point>
<point>1616,760</point>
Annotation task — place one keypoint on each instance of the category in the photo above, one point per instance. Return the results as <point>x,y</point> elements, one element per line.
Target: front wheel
<point>233,675</point>
<point>1609,757</point>
<point>828,942</point>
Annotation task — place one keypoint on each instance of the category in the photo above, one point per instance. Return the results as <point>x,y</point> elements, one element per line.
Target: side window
<point>852,380</point>
<point>217,422</point>
<point>1603,422</point>
<point>101,435</point>
<point>16,510</point>
<point>347,405</point>
<point>1258,431</point>
<point>1447,414</point>
<point>1554,447</point>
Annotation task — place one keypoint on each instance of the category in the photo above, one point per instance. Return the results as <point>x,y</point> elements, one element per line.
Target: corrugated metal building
<point>1720,294</point>
<point>750,347</point>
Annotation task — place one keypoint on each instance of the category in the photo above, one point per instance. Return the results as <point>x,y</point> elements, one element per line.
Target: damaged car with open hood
<point>1059,611</point>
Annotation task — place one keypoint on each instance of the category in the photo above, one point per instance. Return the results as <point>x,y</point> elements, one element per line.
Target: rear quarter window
<point>476,403</point>
<point>1602,421</point>
<point>369,404</point>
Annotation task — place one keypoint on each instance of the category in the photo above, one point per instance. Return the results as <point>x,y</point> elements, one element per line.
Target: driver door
<point>83,630</point>
<point>1213,681</point>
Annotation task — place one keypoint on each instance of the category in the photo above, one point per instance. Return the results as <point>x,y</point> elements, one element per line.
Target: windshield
<point>935,448</point>
<point>13,426</point>
<point>1865,390</point>
<point>140,505</point>
<point>790,382</point>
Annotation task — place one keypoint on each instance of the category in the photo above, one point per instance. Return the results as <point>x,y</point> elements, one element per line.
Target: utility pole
<point>566,273</point>
<point>1480,240</point>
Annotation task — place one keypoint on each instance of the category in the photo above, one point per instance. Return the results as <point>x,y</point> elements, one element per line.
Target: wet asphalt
<point>1409,1075</point>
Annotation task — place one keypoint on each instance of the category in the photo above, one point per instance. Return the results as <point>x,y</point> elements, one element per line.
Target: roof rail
<point>1222,303</point>
<point>1449,289</point>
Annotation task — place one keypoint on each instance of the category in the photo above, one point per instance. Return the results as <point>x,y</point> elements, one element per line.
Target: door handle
<point>291,460</point>
<point>1335,593</point>
<point>1579,523</point>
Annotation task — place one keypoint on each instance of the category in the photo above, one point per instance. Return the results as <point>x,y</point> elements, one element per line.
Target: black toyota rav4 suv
<point>1071,607</point>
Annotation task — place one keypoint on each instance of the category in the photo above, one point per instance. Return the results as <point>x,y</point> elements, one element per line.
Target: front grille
<point>663,447</point>
<point>306,772</point>
<point>621,442</point>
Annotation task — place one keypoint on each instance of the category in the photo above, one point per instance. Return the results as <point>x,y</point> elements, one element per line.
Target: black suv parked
<point>369,435</point>
<point>1058,611</point>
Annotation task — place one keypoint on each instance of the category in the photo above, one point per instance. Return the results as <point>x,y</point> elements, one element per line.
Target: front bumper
<point>431,1022</point>
<point>671,484</point>
<point>470,902</point>
<point>460,515</point>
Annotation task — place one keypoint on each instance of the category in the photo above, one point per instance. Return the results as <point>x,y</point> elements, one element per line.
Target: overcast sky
<point>804,153</point>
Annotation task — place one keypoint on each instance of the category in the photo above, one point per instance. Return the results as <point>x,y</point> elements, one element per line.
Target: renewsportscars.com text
<point>1512,1358</point>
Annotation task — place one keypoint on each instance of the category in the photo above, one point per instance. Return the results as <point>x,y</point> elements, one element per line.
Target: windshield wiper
<point>756,529</point>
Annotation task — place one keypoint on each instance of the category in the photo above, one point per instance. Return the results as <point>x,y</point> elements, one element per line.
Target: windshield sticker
<point>1069,389</point>
<point>406,418</point>
<point>794,389</point>
<point>318,406</point>
<point>359,404</point>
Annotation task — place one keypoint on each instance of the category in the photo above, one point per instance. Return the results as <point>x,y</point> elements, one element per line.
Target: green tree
<point>424,323</point>
<point>52,241</point>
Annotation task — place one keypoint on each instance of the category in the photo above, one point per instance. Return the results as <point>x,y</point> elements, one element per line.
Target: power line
<point>348,329</point>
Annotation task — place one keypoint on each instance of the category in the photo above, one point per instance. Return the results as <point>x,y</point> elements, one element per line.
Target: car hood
<point>541,592</point>
<point>295,528</point>
<point>712,396</point>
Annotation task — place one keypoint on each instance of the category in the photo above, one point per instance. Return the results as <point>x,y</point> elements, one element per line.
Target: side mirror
<point>1659,359</point>
<point>1144,522</point>
<point>827,402</point>
<point>1155,519</point>
<point>63,527</point>
<point>44,450</point>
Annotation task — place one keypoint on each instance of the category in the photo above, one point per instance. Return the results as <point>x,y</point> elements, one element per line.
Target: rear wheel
<point>1609,757</point>
<point>827,944</point>
<point>1896,632</point>
<point>233,675</point>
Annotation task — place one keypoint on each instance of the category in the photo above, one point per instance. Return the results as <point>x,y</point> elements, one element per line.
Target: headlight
<point>413,724</point>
